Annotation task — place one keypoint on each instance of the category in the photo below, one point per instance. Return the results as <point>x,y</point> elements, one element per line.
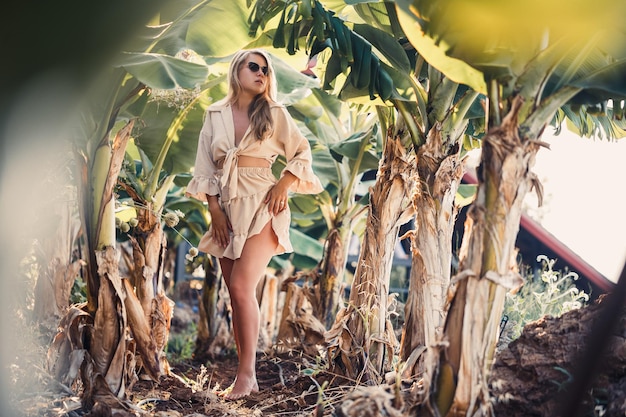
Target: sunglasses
<point>254,67</point>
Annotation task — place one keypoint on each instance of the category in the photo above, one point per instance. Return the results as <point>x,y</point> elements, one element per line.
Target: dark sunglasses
<point>254,67</point>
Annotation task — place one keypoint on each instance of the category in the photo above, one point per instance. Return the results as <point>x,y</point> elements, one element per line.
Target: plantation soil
<point>283,390</point>
<point>530,377</point>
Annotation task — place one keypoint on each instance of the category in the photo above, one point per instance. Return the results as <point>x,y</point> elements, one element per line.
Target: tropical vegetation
<point>402,89</point>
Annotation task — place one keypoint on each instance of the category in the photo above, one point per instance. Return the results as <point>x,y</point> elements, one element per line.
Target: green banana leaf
<point>156,123</point>
<point>350,148</point>
<point>167,32</point>
<point>386,45</point>
<point>607,82</point>
<point>436,55</point>
<point>164,72</point>
<point>219,29</point>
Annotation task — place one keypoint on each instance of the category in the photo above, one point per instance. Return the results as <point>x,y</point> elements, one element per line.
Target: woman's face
<point>253,75</point>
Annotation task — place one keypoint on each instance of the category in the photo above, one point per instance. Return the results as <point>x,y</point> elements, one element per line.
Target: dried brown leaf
<point>140,329</point>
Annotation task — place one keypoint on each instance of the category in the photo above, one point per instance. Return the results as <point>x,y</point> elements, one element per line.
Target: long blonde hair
<point>259,111</point>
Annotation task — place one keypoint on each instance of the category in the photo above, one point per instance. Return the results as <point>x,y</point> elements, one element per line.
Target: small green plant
<point>180,346</point>
<point>553,294</point>
<point>79,291</point>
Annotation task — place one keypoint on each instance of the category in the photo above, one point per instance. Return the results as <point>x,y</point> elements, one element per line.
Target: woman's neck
<point>243,103</point>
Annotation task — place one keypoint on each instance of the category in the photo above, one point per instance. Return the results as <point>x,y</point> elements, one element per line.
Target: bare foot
<point>241,388</point>
<point>226,391</point>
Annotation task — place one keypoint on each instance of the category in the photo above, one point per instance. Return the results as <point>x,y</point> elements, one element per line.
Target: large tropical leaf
<point>164,72</point>
<point>166,32</point>
<point>219,28</point>
<point>435,54</point>
<point>360,146</point>
<point>579,80</point>
<point>386,45</point>
<point>292,85</point>
<point>511,33</point>
<point>595,121</point>
<point>607,82</point>
<point>352,62</point>
<point>162,123</point>
<point>377,14</point>
<point>320,113</point>
<point>307,254</point>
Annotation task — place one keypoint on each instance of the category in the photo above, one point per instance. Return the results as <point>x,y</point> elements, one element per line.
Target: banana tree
<point>445,120</point>
<point>112,302</point>
<point>346,144</point>
<point>434,114</point>
<point>102,356</point>
<point>368,77</point>
<point>161,151</point>
<point>532,68</point>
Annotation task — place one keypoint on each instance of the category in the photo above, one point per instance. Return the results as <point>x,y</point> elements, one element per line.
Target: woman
<point>241,138</point>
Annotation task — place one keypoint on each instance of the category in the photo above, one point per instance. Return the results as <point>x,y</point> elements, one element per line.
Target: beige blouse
<point>238,196</point>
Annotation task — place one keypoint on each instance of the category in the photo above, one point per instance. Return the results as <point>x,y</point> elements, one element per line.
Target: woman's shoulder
<point>278,110</point>
<point>218,105</point>
<point>274,105</point>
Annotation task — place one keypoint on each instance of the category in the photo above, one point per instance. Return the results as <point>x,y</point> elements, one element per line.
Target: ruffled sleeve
<point>206,176</point>
<point>297,153</point>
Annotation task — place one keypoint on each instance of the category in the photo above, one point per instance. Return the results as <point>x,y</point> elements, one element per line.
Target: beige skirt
<point>248,215</point>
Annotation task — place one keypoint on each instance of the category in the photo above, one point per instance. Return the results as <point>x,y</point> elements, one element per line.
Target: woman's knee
<point>241,288</point>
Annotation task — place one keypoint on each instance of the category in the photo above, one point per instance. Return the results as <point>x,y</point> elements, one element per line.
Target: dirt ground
<point>529,378</point>
<point>532,376</point>
<point>284,390</point>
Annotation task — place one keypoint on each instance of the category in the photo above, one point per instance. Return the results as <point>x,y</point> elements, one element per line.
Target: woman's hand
<point>220,224</point>
<point>276,198</point>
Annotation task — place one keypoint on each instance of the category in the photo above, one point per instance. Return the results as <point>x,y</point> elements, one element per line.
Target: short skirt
<point>249,214</point>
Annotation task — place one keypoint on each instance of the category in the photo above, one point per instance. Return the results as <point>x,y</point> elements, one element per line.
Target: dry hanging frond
<point>299,328</point>
<point>144,341</point>
<point>62,362</point>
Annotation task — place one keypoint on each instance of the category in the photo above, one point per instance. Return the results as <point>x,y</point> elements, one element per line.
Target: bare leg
<point>245,274</point>
<point>227,266</point>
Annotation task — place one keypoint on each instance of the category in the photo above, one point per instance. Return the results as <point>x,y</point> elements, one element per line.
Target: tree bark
<point>487,271</point>
<point>267,296</point>
<point>299,328</point>
<point>361,342</point>
<point>331,276</point>
<point>431,246</point>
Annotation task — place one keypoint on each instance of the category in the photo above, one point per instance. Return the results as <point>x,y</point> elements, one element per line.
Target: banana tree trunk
<point>215,332</point>
<point>108,337</point>
<point>149,246</point>
<point>361,341</point>
<point>435,213</point>
<point>102,324</point>
<point>331,276</point>
<point>487,271</point>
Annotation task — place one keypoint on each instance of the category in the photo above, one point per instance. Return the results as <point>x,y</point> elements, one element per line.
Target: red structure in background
<point>533,240</point>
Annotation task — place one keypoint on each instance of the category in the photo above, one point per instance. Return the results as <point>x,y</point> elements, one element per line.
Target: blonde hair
<point>259,111</point>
